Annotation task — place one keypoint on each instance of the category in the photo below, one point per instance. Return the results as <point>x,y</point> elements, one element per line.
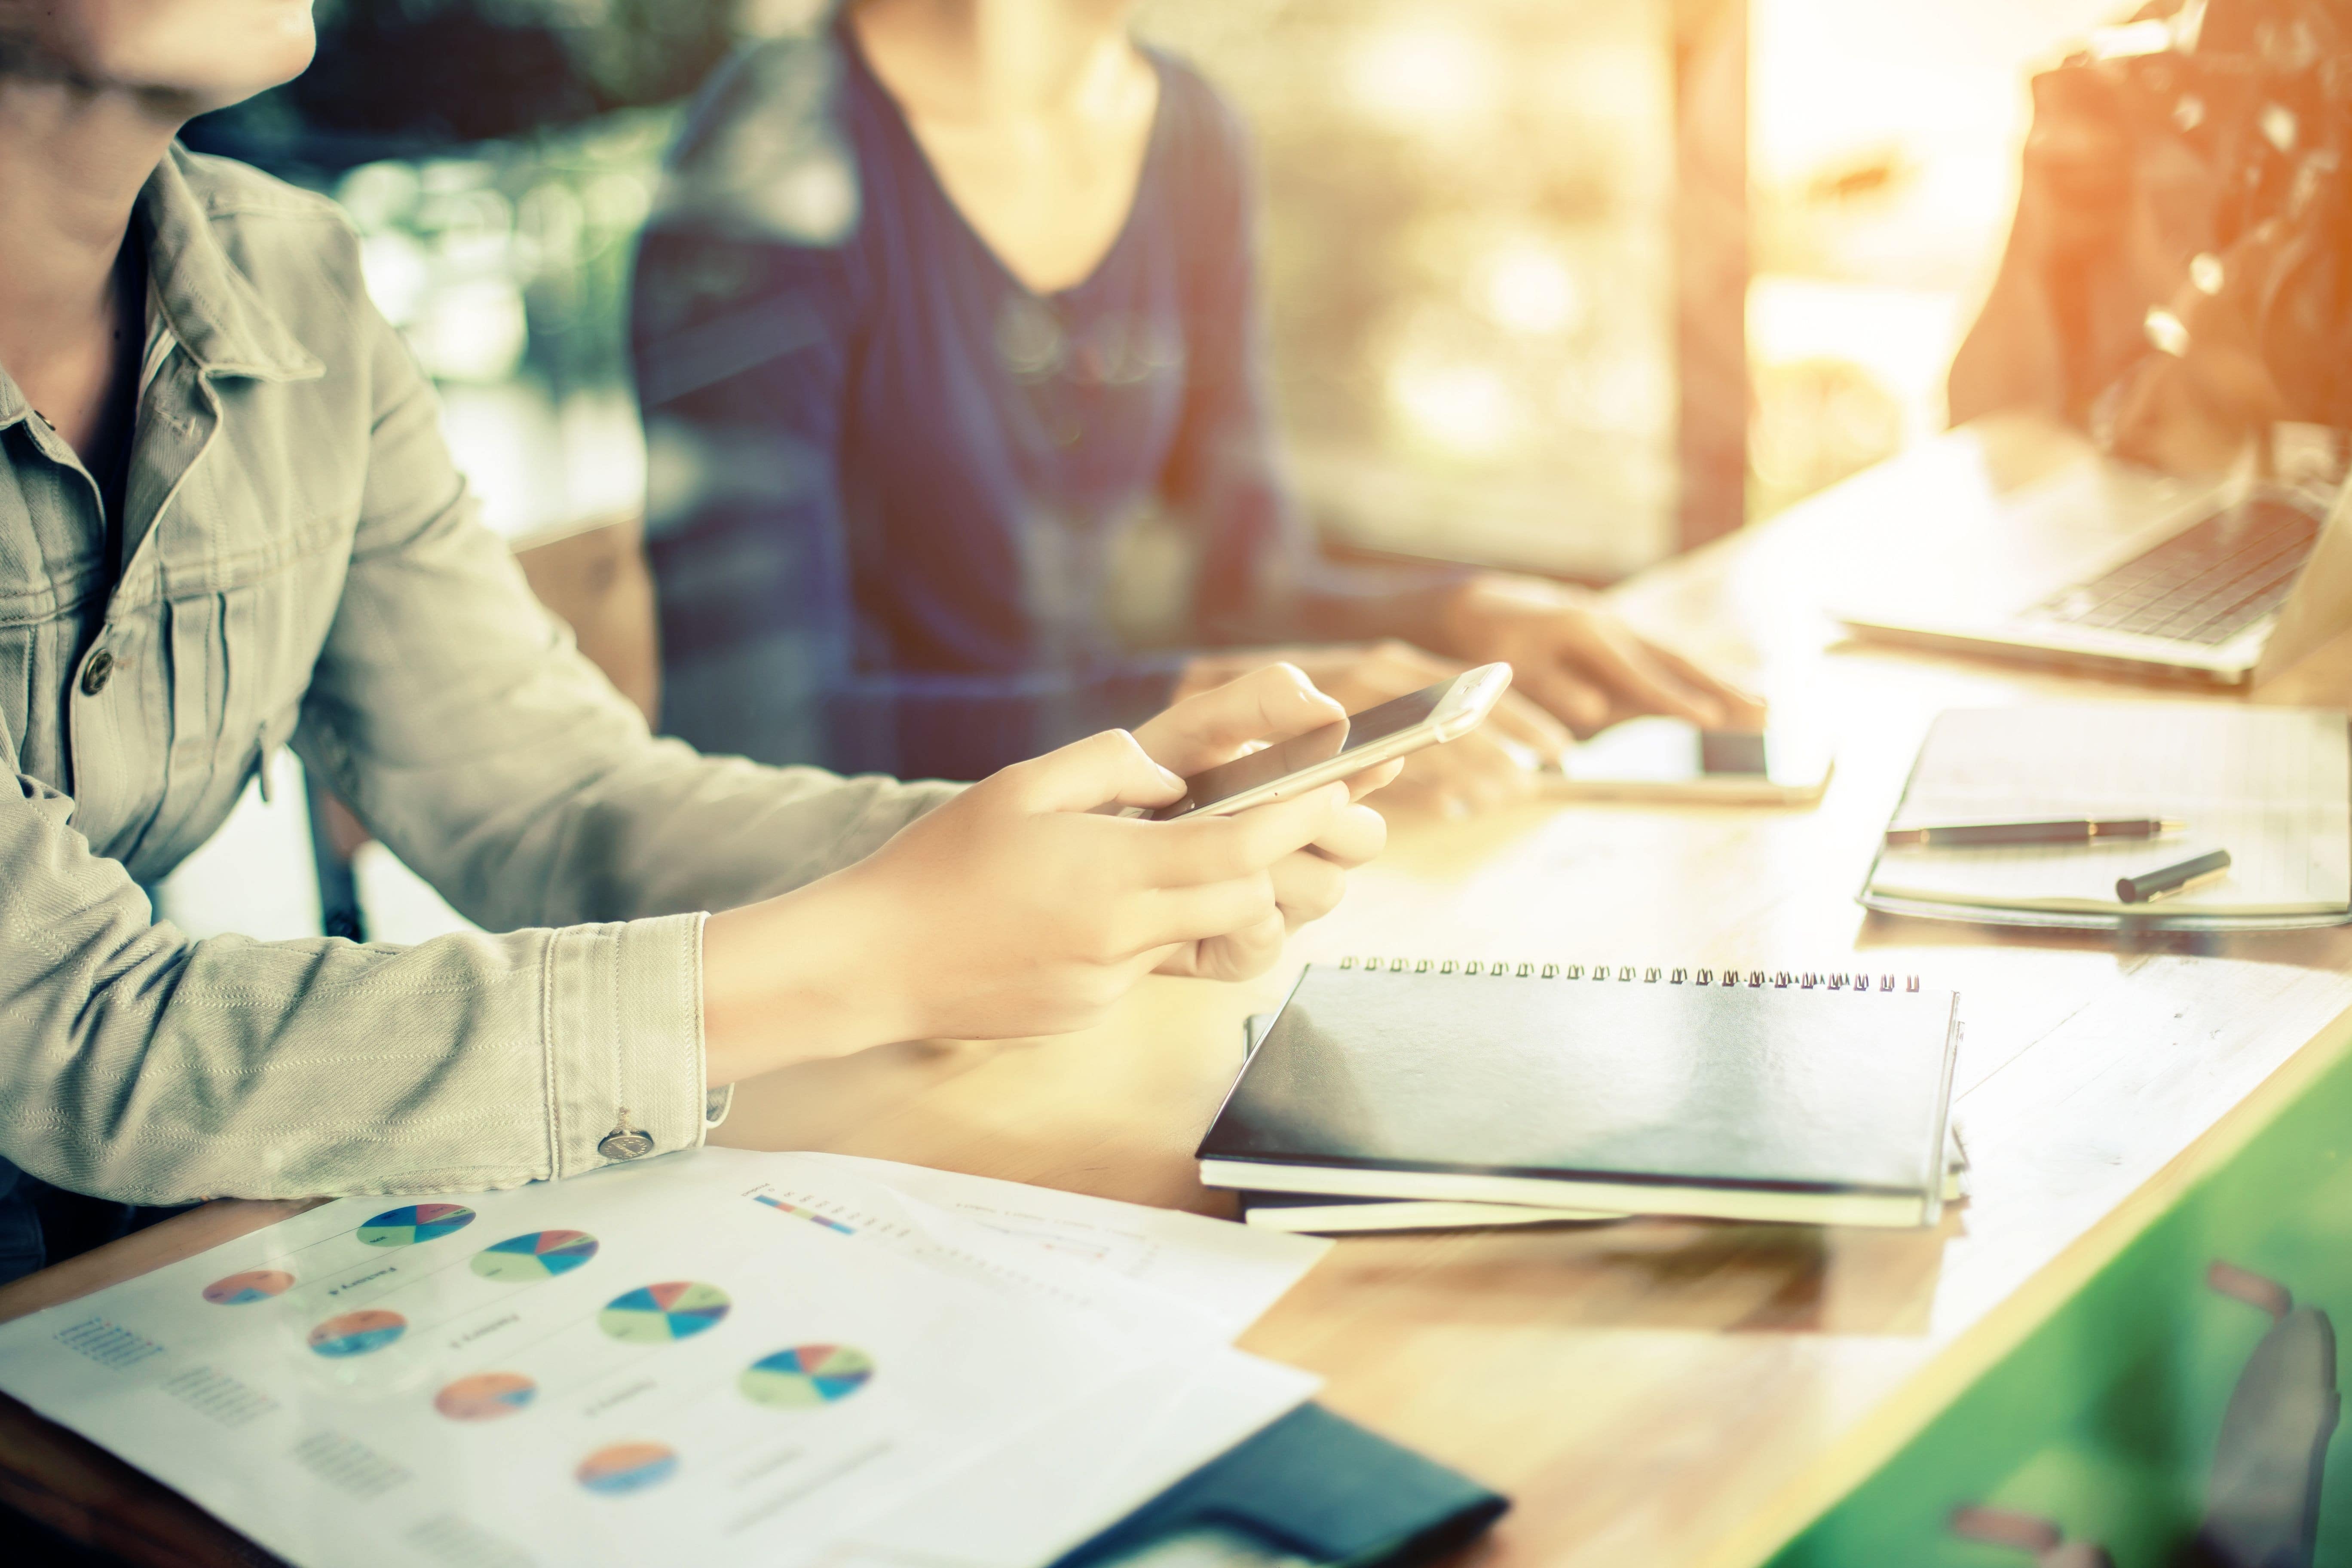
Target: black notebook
<point>1818,1098</point>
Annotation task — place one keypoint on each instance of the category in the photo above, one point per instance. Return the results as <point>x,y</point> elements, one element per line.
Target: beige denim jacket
<point>307,565</point>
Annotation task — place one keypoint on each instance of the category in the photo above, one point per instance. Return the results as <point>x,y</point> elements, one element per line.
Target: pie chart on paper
<point>806,1375</point>
<point>540,1255</point>
<point>624,1467</point>
<point>252,1285</point>
<point>357,1333</point>
<point>653,1314</point>
<point>486,1396</point>
<point>417,1222</point>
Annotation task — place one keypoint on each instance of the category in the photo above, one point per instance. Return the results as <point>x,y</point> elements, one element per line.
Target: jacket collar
<point>212,307</point>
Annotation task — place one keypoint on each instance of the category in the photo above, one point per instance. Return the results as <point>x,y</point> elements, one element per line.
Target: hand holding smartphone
<point>1427,718</point>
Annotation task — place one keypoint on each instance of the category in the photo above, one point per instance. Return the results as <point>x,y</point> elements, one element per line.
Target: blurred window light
<point>1628,394</point>
<point>471,332</point>
<point>1423,74</point>
<point>398,273</point>
<point>1528,289</point>
<point>1467,409</point>
<point>1885,151</point>
<point>1463,201</point>
<point>378,194</point>
<point>2153,36</point>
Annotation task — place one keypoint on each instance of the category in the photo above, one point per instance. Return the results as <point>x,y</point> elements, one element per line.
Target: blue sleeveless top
<point>888,480</point>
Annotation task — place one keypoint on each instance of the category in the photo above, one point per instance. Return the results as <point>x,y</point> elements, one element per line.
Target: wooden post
<point>1710,238</point>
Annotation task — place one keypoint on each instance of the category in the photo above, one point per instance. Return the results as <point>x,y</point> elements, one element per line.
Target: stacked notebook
<point>2271,785</point>
<point>1401,1093</point>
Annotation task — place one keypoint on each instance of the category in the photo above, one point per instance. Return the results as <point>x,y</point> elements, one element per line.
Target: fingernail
<point>1168,779</point>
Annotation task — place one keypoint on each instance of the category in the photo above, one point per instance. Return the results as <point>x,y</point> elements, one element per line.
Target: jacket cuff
<point>623,1026</point>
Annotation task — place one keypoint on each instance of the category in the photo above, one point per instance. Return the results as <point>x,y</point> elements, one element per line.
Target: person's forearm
<point>149,1068</point>
<point>798,978</point>
<point>1350,602</point>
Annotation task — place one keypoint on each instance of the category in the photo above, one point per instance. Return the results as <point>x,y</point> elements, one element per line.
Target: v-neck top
<point>890,480</point>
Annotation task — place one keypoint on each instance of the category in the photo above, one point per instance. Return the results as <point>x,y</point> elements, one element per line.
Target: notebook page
<point>2272,785</point>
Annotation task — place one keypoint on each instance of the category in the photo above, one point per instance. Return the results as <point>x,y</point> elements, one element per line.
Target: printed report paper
<point>716,1357</point>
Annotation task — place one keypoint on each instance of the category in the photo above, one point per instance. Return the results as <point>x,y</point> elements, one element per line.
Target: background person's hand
<point>1586,665</point>
<point>1493,766</point>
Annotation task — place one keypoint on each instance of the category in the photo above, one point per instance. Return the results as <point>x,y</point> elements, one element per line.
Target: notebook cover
<point>1772,1088</point>
<point>1311,1486</point>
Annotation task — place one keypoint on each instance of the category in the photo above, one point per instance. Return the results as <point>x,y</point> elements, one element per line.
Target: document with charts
<point>2272,785</point>
<point>716,1357</point>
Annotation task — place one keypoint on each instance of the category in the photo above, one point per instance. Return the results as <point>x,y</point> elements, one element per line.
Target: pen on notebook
<point>2173,880</point>
<point>2071,830</point>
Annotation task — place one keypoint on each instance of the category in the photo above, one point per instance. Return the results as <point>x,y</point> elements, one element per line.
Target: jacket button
<point>626,1145</point>
<point>97,673</point>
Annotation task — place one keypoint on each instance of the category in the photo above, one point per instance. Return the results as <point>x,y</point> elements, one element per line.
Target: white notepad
<point>2272,785</point>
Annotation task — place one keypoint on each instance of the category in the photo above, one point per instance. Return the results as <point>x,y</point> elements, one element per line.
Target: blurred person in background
<point>2178,279</point>
<point>226,518</point>
<point>940,301</point>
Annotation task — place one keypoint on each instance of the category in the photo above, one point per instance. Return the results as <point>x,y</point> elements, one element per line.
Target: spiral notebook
<point>1748,1095</point>
<point>1322,1213</point>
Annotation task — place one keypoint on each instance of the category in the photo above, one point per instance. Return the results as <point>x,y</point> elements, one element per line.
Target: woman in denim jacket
<point>228,519</point>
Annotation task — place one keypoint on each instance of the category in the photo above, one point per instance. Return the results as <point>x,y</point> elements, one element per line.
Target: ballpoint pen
<point>2069,830</point>
<point>2171,882</point>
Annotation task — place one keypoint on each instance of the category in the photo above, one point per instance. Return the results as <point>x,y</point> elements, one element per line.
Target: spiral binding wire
<point>1779,979</point>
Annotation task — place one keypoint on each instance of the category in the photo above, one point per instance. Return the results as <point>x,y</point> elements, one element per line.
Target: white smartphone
<point>1434,714</point>
<point>1670,760</point>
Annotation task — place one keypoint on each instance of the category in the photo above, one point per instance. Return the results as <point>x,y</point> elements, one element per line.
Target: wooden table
<point>1654,1392</point>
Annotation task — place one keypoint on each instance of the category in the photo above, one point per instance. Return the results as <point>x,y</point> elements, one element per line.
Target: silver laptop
<point>2107,565</point>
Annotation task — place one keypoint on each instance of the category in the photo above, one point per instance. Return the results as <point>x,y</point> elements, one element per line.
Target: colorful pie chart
<point>486,1396</point>
<point>417,1222</point>
<point>654,1313</point>
<point>357,1333</point>
<point>626,1467</point>
<point>252,1285</point>
<point>806,1375</point>
<point>540,1255</point>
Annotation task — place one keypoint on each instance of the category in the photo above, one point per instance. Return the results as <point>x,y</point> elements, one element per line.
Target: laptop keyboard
<point>2206,583</point>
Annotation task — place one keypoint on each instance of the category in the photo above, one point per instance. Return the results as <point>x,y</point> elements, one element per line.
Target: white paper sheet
<point>715,1357</point>
<point>2272,785</point>
<point>1224,1271</point>
<point>1027,1505</point>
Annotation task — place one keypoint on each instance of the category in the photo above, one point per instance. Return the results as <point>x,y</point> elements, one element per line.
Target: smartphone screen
<point>1284,758</point>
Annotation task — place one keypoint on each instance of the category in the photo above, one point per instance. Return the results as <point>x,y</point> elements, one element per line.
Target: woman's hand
<point>1272,702</point>
<point>1586,665</point>
<point>1025,907</point>
<point>1493,766</point>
